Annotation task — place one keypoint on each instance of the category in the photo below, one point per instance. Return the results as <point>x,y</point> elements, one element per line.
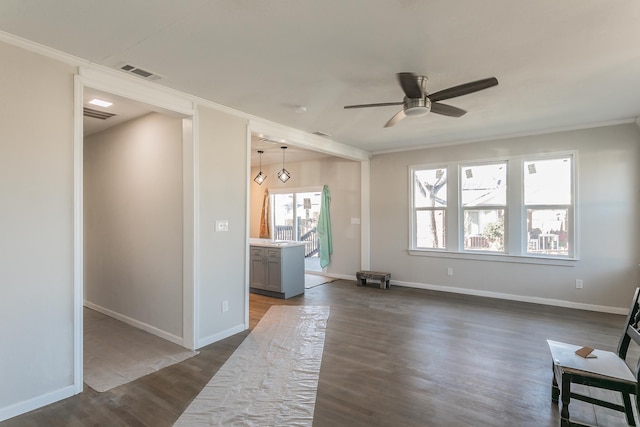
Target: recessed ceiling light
<point>100,102</point>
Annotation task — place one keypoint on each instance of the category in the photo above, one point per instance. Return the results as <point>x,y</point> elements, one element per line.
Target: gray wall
<point>133,221</point>
<point>343,178</point>
<point>608,210</point>
<point>36,225</point>
<point>223,196</point>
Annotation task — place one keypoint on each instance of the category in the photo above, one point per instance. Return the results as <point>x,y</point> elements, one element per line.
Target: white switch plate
<point>578,284</point>
<point>355,220</point>
<point>222,225</point>
<point>449,271</point>
<point>225,306</point>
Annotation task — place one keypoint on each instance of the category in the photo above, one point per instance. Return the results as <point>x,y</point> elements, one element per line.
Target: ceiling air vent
<point>102,115</point>
<point>148,75</point>
<point>326,135</point>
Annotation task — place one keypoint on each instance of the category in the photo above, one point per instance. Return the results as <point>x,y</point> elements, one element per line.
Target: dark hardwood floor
<point>398,357</point>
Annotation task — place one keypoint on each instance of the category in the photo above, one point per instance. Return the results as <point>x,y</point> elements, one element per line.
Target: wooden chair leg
<point>555,391</point>
<point>565,397</point>
<point>628,409</point>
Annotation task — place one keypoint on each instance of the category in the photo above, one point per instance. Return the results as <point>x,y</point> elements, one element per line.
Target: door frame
<point>164,100</point>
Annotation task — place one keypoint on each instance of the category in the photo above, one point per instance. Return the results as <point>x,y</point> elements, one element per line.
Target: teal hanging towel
<point>324,229</point>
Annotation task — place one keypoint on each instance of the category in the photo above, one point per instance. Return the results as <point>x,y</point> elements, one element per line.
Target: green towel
<point>324,229</point>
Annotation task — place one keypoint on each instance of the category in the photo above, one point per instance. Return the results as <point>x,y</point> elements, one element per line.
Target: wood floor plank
<point>398,357</point>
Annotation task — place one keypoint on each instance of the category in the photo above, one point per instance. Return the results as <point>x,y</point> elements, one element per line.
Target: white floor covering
<point>272,377</point>
<point>313,280</point>
<point>116,353</point>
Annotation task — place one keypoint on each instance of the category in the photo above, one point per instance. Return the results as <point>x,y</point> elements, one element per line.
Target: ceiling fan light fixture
<point>417,107</point>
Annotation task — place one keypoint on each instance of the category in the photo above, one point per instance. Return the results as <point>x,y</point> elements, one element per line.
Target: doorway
<point>179,327</point>
<point>295,217</point>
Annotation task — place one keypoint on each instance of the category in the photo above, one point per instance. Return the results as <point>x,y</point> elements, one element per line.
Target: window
<point>547,199</point>
<point>519,206</point>
<point>483,192</point>
<point>430,203</point>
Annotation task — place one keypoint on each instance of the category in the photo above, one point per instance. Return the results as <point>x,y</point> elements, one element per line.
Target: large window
<point>515,206</point>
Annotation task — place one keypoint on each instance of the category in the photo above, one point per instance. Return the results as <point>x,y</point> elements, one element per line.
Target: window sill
<point>540,260</point>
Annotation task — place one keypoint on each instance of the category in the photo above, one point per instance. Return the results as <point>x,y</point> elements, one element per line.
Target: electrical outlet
<point>225,306</point>
<point>222,225</point>
<point>449,271</point>
<point>578,284</point>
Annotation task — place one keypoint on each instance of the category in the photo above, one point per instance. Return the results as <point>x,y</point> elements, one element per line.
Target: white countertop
<point>274,243</point>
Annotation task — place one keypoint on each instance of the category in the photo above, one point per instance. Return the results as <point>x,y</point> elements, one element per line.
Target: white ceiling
<point>561,64</point>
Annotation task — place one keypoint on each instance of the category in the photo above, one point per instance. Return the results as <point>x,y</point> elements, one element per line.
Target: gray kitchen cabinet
<point>277,270</point>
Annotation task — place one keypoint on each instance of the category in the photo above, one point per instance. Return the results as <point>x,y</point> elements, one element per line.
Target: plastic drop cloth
<point>272,377</point>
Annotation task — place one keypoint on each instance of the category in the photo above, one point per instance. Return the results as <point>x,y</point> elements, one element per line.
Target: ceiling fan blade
<point>447,110</point>
<point>395,119</point>
<point>463,89</point>
<point>410,86</point>
<point>381,104</point>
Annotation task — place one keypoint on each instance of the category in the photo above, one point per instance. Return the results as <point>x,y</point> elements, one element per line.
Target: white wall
<point>36,225</point>
<point>223,196</point>
<point>133,222</point>
<point>343,178</point>
<point>608,209</point>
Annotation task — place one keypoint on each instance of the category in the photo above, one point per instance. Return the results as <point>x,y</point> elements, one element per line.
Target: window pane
<point>547,182</point>
<point>484,185</point>
<point>430,231</point>
<point>430,188</point>
<point>484,230</point>
<point>283,216</point>
<point>547,231</point>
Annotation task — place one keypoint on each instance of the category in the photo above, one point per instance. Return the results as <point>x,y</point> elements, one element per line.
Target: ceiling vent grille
<point>102,115</point>
<point>323,134</point>
<point>145,74</point>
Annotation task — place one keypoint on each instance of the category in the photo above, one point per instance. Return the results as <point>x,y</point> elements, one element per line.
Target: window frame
<point>414,210</point>
<point>462,209</point>
<point>515,226</point>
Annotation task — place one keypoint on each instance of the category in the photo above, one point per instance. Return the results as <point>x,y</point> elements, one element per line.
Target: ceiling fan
<point>418,102</point>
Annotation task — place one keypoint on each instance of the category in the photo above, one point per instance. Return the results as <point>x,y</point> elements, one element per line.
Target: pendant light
<point>260,177</point>
<point>283,175</point>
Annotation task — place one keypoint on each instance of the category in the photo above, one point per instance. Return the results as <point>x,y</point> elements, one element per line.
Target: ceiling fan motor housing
<point>416,107</point>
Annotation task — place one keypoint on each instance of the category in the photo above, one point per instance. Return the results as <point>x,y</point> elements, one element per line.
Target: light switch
<point>355,220</point>
<point>222,225</point>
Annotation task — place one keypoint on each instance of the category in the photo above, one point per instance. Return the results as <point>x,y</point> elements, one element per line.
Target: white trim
<point>286,190</point>
<point>195,315</point>
<point>136,89</point>
<point>266,129</point>
<point>37,402</point>
<point>512,297</point>
<point>496,257</point>
<point>365,215</point>
<point>247,231</point>
<point>202,342</point>
<point>136,323</point>
<point>78,237</point>
<point>189,260</point>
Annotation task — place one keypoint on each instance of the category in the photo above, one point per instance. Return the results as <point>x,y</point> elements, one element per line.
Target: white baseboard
<point>35,403</point>
<point>511,297</point>
<point>136,323</point>
<point>219,336</point>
